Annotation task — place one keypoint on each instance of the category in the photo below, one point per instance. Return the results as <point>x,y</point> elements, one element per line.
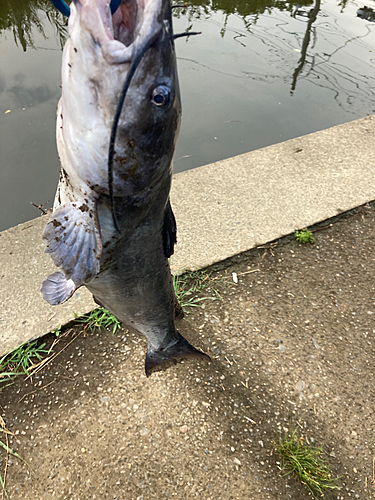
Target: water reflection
<point>23,16</point>
<point>366,13</point>
<point>249,11</point>
<point>262,72</point>
<point>311,16</point>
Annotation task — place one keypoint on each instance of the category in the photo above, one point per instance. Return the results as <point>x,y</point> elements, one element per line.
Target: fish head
<point>103,51</point>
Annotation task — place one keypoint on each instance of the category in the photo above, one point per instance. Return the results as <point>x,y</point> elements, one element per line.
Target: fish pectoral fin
<point>169,231</point>
<point>73,241</point>
<point>56,289</point>
<point>157,360</point>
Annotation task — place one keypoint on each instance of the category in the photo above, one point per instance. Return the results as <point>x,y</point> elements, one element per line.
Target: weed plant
<point>19,361</point>
<point>306,462</point>
<point>304,236</point>
<point>99,318</point>
<point>188,284</point>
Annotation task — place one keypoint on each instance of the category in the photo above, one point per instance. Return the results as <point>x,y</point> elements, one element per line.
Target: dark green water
<point>256,76</point>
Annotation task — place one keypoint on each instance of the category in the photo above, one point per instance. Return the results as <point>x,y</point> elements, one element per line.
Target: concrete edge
<point>222,210</point>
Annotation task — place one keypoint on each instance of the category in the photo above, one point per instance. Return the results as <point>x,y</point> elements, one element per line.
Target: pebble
<point>184,428</point>
<point>300,385</point>
<point>236,461</point>
<point>144,431</point>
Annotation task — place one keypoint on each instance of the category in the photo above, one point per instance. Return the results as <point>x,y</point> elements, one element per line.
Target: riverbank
<point>221,209</point>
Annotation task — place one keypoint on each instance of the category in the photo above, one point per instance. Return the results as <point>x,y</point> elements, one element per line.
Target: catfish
<point>112,228</point>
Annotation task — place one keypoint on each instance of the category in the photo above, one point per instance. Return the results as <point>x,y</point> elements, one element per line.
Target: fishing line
<point>111,153</point>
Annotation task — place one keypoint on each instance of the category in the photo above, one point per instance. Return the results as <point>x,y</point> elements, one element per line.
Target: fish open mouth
<point>120,28</point>
<point>134,27</point>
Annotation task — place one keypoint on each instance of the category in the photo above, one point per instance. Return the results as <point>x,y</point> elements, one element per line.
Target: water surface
<point>261,72</point>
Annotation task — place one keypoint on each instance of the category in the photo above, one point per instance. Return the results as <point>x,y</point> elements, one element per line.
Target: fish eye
<point>161,96</point>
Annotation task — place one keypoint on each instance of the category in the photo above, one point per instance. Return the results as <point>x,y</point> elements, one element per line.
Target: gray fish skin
<point>127,270</point>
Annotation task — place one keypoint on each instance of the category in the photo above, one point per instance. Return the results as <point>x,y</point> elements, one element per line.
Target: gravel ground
<point>292,347</point>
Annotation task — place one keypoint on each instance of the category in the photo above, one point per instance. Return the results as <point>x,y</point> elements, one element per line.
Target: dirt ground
<point>292,347</point>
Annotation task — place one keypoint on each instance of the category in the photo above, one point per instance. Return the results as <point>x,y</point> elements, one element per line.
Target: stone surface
<point>24,314</point>
<point>221,210</point>
<point>233,205</point>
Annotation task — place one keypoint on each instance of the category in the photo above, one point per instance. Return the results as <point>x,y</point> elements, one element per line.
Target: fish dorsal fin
<point>73,241</point>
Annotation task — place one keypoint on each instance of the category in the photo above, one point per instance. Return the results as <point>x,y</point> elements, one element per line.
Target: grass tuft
<point>19,361</point>
<point>306,462</point>
<point>99,318</point>
<point>193,282</point>
<point>304,236</point>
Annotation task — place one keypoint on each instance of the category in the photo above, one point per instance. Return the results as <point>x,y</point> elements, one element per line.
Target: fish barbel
<point>112,228</point>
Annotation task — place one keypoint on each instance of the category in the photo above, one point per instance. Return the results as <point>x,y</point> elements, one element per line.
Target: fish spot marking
<point>56,223</point>
<point>75,50</point>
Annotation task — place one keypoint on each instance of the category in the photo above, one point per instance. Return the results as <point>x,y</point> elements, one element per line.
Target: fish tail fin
<point>157,360</point>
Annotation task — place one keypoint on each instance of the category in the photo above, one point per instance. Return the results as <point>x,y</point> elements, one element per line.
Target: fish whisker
<point>187,33</point>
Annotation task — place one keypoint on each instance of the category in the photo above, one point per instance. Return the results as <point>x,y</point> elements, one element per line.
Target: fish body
<point>114,235</point>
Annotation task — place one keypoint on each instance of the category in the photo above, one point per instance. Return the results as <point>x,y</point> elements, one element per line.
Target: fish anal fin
<point>157,360</point>
<point>73,241</point>
<point>57,289</point>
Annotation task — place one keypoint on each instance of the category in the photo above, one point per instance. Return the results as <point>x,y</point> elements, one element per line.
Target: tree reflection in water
<point>311,15</point>
<point>21,16</point>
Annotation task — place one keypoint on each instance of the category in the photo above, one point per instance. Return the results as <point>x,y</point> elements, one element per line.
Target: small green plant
<point>19,361</point>
<point>56,331</point>
<point>190,283</point>
<point>99,318</point>
<point>306,462</point>
<point>304,236</point>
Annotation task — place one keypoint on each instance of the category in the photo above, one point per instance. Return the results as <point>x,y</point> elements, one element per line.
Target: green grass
<point>306,462</point>
<point>19,361</point>
<point>99,318</point>
<point>304,236</point>
<point>189,284</point>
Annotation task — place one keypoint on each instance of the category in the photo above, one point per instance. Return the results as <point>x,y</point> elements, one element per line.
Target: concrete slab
<point>221,210</point>
<point>236,204</point>
<point>24,314</point>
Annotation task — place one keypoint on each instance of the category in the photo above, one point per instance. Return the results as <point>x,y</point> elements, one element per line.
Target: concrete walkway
<point>221,209</point>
